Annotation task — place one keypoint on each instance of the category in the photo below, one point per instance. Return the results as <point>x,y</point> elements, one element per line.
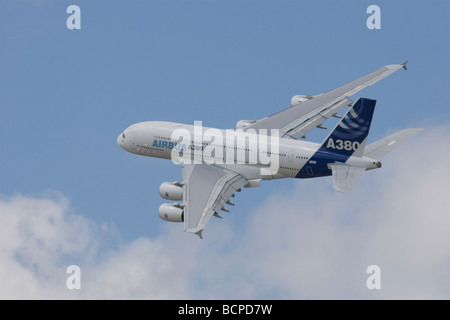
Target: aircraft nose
<point>121,140</point>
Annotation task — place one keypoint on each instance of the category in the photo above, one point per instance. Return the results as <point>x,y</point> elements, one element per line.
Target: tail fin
<point>350,134</point>
<point>381,147</point>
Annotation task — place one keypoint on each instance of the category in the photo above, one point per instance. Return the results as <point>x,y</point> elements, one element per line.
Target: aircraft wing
<point>206,190</point>
<point>296,121</point>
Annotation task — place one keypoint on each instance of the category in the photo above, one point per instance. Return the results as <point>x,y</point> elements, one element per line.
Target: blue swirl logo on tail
<point>351,132</point>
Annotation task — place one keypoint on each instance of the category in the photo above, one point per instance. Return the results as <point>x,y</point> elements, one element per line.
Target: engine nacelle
<point>171,212</point>
<point>299,99</point>
<point>254,183</point>
<point>171,191</point>
<point>242,124</point>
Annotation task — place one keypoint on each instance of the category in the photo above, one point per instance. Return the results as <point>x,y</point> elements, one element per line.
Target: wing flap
<point>302,129</point>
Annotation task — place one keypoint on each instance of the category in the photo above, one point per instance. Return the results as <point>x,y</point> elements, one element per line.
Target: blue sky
<point>65,95</point>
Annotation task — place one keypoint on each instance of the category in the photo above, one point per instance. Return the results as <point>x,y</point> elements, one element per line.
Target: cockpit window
<point>123,135</point>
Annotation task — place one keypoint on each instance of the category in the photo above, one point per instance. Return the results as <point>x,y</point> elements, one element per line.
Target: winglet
<point>199,233</point>
<point>404,65</point>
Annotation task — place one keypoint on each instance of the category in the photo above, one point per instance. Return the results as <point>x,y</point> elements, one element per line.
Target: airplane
<point>217,166</point>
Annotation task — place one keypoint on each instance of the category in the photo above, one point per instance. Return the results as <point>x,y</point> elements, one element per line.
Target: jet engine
<point>299,99</point>
<point>171,212</point>
<point>254,183</point>
<point>242,124</point>
<point>171,190</point>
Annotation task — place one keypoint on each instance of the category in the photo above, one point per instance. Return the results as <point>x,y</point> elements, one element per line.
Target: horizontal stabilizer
<point>344,176</point>
<point>380,148</point>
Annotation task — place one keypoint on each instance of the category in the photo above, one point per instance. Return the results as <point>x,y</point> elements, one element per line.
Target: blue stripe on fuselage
<point>319,165</point>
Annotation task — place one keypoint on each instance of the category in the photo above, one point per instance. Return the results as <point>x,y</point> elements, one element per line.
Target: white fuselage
<point>253,156</point>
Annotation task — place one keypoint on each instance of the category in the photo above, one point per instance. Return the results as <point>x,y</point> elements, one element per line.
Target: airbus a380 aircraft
<point>217,163</point>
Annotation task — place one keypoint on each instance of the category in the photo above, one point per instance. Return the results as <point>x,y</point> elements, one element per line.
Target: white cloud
<point>41,237</point>
<point>311,243</point>
<point>36,236</point>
